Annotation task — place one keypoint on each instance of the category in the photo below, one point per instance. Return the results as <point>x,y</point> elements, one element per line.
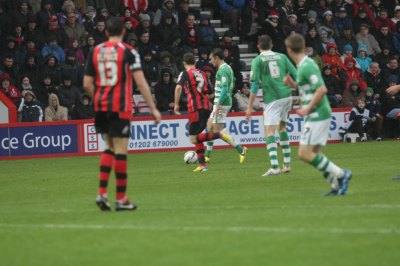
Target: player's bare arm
<point>252,97</point>
<point>253,93</point>
<point>318,95</point>
<point>178,92</point>
<point>145,91</point>
<point>288,80</point>
<point>88,85</point>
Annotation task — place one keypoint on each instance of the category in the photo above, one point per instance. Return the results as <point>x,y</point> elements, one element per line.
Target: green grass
<point>229,215</point>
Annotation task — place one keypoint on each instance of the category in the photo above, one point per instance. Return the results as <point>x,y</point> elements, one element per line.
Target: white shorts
<point>315,133</point>
<point>219,117</point>
<point>277,111</point>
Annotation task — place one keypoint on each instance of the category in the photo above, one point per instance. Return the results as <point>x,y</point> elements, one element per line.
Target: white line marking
<point>235,229</point>
<point>230,207</point>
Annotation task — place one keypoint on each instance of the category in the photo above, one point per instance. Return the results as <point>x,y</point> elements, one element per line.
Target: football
<point>190,157</point>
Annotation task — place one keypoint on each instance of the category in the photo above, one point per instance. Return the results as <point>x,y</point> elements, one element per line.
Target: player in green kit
<point>270,68</point>
<point>316,110</point>
<point>224,84</point>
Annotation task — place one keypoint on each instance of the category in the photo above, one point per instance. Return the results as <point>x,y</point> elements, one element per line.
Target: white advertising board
<point>172,132</point>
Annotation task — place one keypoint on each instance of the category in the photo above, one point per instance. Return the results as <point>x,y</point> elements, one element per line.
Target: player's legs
<point>270,131</point>
<point>274,113</point>
<point>121,174</point>
<point>119,132</point>
<point>314,137</point>
<point>286,106</point>
<point>209,144</point>
<point>197,123</point>
<point>285,146</point>
<point>218,120</point>
<point>218,127</point>
<point>106,161</point>
<point>120,166</point>
<point>106,164</point>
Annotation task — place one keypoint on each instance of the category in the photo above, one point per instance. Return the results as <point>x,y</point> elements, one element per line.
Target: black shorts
<point>198,121</point>
<point>110,123</point>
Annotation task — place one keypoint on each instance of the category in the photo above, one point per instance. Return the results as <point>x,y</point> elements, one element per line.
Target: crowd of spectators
<point>44,44</point>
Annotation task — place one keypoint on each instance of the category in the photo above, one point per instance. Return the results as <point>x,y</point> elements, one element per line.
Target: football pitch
<point>229,215</point>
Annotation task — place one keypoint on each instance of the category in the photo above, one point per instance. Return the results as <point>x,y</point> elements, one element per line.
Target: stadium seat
<point>351,136</point>
<point>143,107</point>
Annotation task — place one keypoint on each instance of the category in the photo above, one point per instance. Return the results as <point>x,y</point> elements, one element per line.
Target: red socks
<point>200,153</point>
<point>120,169</point>
<point>202,137</point>
<point>106,163</point>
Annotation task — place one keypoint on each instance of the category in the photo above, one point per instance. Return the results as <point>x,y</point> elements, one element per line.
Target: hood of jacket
<point>331,45</point>
<point>51,97</point>
<point>4,76</point>
<point>51,55</point>
<point>362,47</point>
<point>349,59</point>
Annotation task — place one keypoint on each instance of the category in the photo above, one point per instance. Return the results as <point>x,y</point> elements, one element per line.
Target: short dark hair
<point>114,26</point>
<point>189,58</point>
<point>295,42</point>
<point>264,42</point>
<point>218,53</point>
<point>100,19</point>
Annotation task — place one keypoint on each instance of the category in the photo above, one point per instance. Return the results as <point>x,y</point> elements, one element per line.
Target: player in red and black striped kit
<point>109,70</point>
<point>196,88</point>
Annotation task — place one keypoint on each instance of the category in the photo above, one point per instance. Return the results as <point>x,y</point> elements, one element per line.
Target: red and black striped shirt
<point>196,88</point>
<point>112,64</point>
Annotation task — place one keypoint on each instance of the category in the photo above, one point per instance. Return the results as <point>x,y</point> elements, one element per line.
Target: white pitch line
<point>233,207</point>
<point>235,229</point>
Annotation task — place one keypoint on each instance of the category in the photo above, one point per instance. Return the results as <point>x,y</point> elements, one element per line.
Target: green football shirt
<point>270,68</point>
<point>308,79</point>
<point>224,78</point>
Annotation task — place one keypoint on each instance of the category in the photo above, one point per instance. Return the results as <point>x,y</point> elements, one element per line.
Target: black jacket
<point>32,112</point>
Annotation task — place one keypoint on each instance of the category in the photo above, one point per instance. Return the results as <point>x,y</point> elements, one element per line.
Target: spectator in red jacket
<point>9,90</point>
<point>129,15</point>
<point>363,4</point>
<point>137,6</point>
<point>332,58</point>
<point>353,73</point>
<point>383,19</point>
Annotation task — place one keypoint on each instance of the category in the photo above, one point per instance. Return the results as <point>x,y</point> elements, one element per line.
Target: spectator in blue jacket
<point>396,38</point>
<point>207,36</point>
<point>342,20</point>
<point>168,6</point>
<point>52,47</point>
<point>362,57</point>
<point>230,11</point>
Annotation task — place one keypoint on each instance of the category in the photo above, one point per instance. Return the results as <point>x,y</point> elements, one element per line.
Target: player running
<point>224,83</point>
<point>317,112</point>
<point>270,68</point>
<point>196,88</point>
